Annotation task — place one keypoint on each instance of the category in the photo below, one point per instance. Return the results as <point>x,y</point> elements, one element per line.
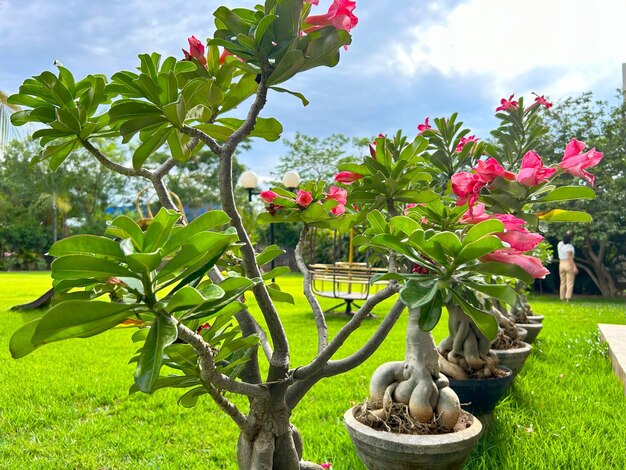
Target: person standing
<point>567,267</point>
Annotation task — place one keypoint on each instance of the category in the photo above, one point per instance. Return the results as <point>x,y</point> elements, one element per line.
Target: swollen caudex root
<point>427,397</point>
<point>464,354</point>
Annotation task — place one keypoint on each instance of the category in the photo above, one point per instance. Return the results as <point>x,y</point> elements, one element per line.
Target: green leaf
<point>149,146</point>
<point>159,229</point>
<point>79,319</point>
<point>58,153</point>
<point>405,224</point>
<point>430,314</point>
<point>87,244</point>
<point>125,227</point>
<point>144,262</point>
<point>562,215</point>
<point>478,248</point>
<point>85,266</point>
<point>175,112</point>
<point>486,323</point>
<point>323,47</point>
<point>502,269</point>
<point>190,399</point>
<point>203,222</point>
<point>188,297</point>
<point>269,129</point>
<point>21,342</point>
<point>567,193</point>
<point>203,246</point>
<point>277,271</point>
<point>414,294</point>
<point>290,64</point>
<point>279,296</point>
<point>163,332</point>
<point>298,95</point>
<point>499,291</point>
<point>268,254</point>
<point>486,227</point>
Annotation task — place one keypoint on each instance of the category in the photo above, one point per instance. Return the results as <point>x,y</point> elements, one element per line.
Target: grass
<point>66,405</point>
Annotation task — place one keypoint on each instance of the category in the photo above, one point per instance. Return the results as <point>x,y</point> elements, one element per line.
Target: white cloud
<point>571,44</point>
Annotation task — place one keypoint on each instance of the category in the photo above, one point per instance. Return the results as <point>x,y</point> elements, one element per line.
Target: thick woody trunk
<point>464,353</point>
<point>597,270</point>
<point>416,381</point>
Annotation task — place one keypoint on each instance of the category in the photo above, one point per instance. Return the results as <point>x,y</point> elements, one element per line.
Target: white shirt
<point>564,249</point>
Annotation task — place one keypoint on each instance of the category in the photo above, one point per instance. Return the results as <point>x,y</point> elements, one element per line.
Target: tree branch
<point>228,407</point>
<point>166,167</point>
<point>208,372</point>
<point>111,165</point>
<point>320,321</point>
<point>204,137</point>
<point>279,362</point>
<point>317,364</point>
<point>332,368</point>
<point>163,194</point>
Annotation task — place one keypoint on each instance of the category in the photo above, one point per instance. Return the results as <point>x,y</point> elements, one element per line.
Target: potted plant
<point>184,286</point>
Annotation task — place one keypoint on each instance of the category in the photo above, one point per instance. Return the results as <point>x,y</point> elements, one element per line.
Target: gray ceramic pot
<point>532,330</point>
<point>513,358</point>
<point>380,450</point>
<point>535,318</point>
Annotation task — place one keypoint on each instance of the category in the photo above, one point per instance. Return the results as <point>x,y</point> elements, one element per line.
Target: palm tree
<point>7,131</point>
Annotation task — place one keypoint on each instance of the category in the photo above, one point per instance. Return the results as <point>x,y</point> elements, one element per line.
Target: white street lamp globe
<point>249,179</point>
<point>291,179</point>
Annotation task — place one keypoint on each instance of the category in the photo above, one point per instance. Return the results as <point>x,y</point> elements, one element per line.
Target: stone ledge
<point>615,336</point>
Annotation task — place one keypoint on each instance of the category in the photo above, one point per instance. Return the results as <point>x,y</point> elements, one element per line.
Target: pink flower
<point>466,186</point>
<point>347,177</point>
<point>196,50</point>
<point>410,205</point>
<point>338,209</point>
<point>423,127</point>
<point>304,198</point>
<point>516,235</point>
<point>338,194</point>
<point>465,140</point>
<point>327,466</point>
<point>204,326</point>
<point>529,264</point>
<point>475,215</point>
<point>575,162</point>
<point>488,170</point>
<point>541,100</point>
<point>268,196</point>
<point>505,104</point>
<point>533,173</point>
<point>339,15</point>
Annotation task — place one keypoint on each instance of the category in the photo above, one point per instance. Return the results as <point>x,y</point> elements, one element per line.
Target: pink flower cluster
<point>518,237</point>
<point>467,185</point>
<point>464,141</point>
<point>339,15</point>
<point>305,198</point>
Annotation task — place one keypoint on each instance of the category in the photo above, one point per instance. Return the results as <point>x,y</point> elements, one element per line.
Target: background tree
<point>39,206</point>
<point>601,249</point>
<point>7,131</point>
<point>314,158</point>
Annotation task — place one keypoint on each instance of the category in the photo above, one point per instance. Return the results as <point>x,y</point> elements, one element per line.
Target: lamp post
<point>249,181</point>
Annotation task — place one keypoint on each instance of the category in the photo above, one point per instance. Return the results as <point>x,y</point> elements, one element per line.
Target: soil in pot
<point>480,396</point>
<point>423,446</point>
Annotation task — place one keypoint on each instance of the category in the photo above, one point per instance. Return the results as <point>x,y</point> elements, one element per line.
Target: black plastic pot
<point>480,396</point>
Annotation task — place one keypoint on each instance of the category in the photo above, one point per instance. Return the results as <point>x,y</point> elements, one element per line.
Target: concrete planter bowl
<point>480,396</point>
<point>535,318</point>
<point>532,330</point>
<point>380,450</point>
<point>513,358</point>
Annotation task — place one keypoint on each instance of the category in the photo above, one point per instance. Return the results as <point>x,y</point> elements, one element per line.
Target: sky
<point>409,59</point>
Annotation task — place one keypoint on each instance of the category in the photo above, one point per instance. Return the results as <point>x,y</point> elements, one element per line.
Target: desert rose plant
<point>168,281</point>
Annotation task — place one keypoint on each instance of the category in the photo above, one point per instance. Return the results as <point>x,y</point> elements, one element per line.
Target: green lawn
<point>66,405</point>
